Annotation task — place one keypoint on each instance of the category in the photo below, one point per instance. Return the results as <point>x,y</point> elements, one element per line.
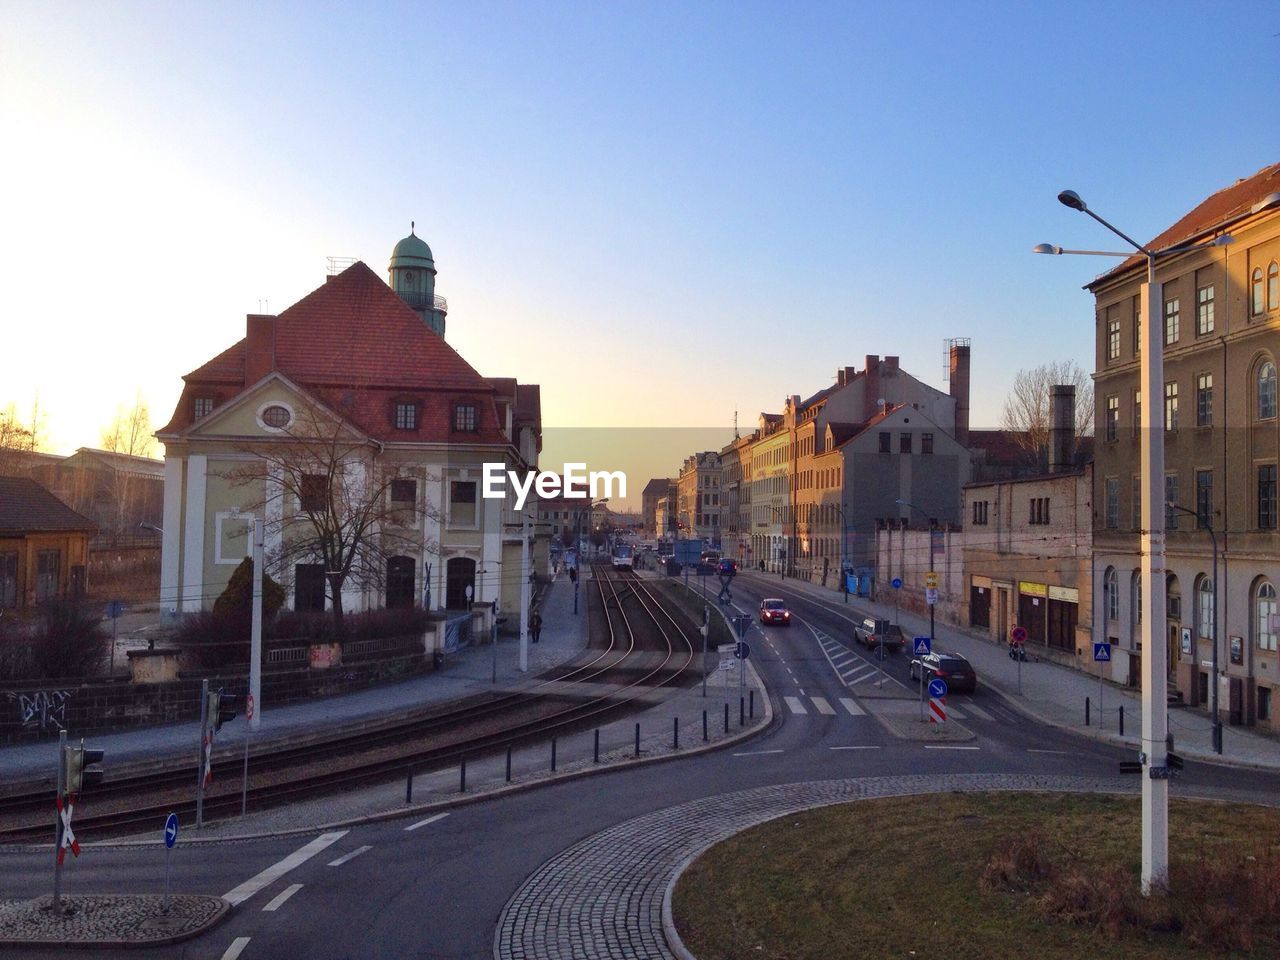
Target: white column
<point>193,585</point>
<point>171,539</point>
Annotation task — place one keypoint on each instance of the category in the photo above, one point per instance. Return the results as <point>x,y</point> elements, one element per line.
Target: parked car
<point>955,670</point>
<point>774,611</point>
<point>873,632</point>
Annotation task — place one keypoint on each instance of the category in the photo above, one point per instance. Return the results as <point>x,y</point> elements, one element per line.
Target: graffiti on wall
<point>43,709</point>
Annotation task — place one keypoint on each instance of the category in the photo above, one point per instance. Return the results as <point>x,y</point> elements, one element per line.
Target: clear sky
<point>660,212</point>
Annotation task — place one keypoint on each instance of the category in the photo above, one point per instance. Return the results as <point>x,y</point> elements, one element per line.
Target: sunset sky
<point>660,212</point>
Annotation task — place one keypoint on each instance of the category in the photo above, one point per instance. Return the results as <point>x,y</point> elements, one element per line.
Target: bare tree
<point>131,435</point>
<point>336,502</point>
<point>1026,409</point>
<point>15,441</point>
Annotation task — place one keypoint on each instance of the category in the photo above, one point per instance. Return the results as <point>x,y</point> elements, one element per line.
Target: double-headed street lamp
<point>1204,520</point>
<point>1155,710</point>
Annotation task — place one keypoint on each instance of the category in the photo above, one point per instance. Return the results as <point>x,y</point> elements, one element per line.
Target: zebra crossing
<point>805,706</point>
<point>849,667</point>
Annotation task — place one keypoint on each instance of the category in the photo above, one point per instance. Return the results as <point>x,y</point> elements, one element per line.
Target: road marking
<point>823,706</point>
<point>795,704</point>
<point>1061,753</point>
<point>423,823</point>
<point>350,856</point>
<point>236,948</point>
<point>853,708</point>
<point>953,713</point>
<point>864,671</point>
<point>755,753</point>
<point>939,746</point>
<point>281,897</point>
<point>860,747</point>
<point>801,689</point>
<point>978,712</point>
<point>300,856</point>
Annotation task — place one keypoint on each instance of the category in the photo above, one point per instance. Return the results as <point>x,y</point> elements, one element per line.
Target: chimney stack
<point>871,391</point>
<point>959,379</point>
<point>259,346</point>
<point>1062,427</point>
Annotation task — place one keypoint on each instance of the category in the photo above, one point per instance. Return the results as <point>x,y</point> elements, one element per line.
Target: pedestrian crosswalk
<point>803,706</point>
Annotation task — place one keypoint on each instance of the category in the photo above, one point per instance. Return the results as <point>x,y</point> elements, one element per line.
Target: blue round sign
<point>897,583</point>
<point>937,687</point>
<point>171,830</point>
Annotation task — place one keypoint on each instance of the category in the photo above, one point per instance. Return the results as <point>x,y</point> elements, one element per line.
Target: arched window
<point>1204,606</point>
<point>1264,615</point>
<point>1135,597</point>
<point>1111,593</point>
<point>1267,391</point>
<point>1256,304</point>
<point>1173,598</point>
<point>1273,285</point>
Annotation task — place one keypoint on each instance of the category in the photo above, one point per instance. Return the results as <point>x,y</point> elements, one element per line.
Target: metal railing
<point>421,300</point>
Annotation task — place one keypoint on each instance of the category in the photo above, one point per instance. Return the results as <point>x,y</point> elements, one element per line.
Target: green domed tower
<point>413,277</point>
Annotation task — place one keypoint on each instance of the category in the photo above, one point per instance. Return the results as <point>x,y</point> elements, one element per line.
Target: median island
<point>1044,875</point>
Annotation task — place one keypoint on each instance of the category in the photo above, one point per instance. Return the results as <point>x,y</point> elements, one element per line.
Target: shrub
<point>370,625</point>
<point>68,640</point>
<point>15,649</point>
<point>213,640</point>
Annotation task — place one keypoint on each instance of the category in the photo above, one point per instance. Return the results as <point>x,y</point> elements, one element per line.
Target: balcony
<point>420,300</point>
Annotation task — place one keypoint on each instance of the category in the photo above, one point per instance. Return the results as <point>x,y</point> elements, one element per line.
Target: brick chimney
<point>259,346</point>
<point>891,363</point>
<point>959,379</point>
<point>872,389</point>
<point>1062,427</point>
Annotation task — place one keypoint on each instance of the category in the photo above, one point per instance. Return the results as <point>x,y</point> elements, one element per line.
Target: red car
<point>775,611</point>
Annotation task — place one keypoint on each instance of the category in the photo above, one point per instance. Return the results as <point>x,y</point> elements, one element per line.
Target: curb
<point>208,925</point>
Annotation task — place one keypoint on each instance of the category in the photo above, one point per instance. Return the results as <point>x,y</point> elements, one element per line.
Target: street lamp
<point>844,537</point>
<point>1217,717</point>
<point>1155,710</point>
<point>903,503</point>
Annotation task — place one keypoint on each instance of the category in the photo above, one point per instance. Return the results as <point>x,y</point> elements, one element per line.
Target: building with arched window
<point>1221,340</point>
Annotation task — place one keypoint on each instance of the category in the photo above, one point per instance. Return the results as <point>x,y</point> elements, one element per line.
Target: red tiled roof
<point>27,507</point>
<point>1228,203</point>
<point>358,347</point>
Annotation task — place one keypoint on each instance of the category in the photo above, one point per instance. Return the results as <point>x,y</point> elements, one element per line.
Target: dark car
<point>727,566</point>
<point>874,632</point>
<point>775,611</point>
<point>955,670</point>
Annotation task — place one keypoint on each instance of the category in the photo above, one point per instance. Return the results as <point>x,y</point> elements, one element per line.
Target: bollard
<point>726,717</point>
<point>1122,720</point>
<point>597,748</point>
<point>705,738</point>
<point>408,787</point>
<point>751,699</point>
<point>675,733</point>
<point>553,754</point>
<point>742,710</point>
<point>637,739</point>
<point>508,764</point>
<point>1086,711</point>
<point>462,775</point>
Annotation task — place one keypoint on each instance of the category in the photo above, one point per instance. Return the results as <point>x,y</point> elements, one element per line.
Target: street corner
<point>911,727</point>
<point>109,921</point>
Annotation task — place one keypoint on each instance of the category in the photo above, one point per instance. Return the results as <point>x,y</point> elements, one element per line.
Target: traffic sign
<point>171,830</point>
<point>248,707</point>
<point>743,650</point>
<point>896,583</point>
<point>921,645</point>
<point>1102,652</point>
<point>937,688</point>
<point>931,580</point>
<point>1018,636</point>
<point>115,609</point>
<point>930,595</point>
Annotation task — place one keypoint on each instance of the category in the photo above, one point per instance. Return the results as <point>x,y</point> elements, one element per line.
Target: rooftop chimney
<point>1062,427</point>
<point>891,363</point>
<point>259,346</point>
<point>871,390</point>
<point>958,375</point>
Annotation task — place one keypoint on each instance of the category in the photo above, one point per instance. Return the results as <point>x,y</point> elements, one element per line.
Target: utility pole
<point>526,592</point>
<point>253,703</point>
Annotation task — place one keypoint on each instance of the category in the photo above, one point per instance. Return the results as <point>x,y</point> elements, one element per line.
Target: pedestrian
<point>535,625</point>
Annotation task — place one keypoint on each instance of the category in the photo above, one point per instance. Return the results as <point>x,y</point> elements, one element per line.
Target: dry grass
<point>971,877</point>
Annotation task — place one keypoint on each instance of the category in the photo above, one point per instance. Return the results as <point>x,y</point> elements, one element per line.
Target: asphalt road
<point>436,890</point>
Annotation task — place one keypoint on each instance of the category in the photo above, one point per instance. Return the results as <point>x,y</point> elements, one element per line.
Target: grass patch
<point>977,876</point>
<point>691,602</point>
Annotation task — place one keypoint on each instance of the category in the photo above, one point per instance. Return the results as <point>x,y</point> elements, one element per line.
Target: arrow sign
<point>171,830</point>
<point>937,688</point>
<point>1102,652</point>
<point>896,583</point>
<point>921,645</point>
<point>743,650</point>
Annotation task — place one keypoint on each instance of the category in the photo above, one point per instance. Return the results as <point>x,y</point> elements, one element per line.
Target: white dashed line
<point>277,870</point>
<point>859,747</point>
<point>939,746</point>
<point>349,856</point>
<point>1061,753</point>
<point>423,823</point>
<point>755,753</point>
<point>852,706</point>
<point>236,948</point>
<point>978,712</point>
<point>281,897</point>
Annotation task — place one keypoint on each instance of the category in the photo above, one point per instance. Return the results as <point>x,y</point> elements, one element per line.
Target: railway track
<point>638,626</point>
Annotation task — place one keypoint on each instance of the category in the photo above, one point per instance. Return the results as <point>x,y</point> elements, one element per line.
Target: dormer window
<point>464,417</point>
<point>406,416</point>
<point>203,407</point>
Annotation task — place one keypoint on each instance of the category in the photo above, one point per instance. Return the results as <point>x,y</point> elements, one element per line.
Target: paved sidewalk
<point>1055,694</point>
<point>464,674</point>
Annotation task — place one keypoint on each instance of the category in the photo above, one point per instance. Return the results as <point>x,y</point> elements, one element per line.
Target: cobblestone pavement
<point>137,920</point>
<point>604,897</point>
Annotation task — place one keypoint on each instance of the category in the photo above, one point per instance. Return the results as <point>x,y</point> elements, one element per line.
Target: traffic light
<point>222,709</point>
<point>80,771</point>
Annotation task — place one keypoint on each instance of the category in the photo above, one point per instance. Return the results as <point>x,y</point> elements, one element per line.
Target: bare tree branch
<point>1026,409</point>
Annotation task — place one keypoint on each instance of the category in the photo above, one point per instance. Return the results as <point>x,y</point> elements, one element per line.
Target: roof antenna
<point>736,435</point>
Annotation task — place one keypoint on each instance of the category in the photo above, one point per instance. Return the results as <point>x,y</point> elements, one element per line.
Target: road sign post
<point>920,646</point>
<point>170,838</point>
<point>1102,654</point>
<point>706,629</point>
<point>205,753</point>
<point>937,700</point>
<point>931,596</point>
<point>742,624</point>
<point>1018,640</point>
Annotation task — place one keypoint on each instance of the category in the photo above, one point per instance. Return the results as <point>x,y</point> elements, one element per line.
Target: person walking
<point>535,625</point>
